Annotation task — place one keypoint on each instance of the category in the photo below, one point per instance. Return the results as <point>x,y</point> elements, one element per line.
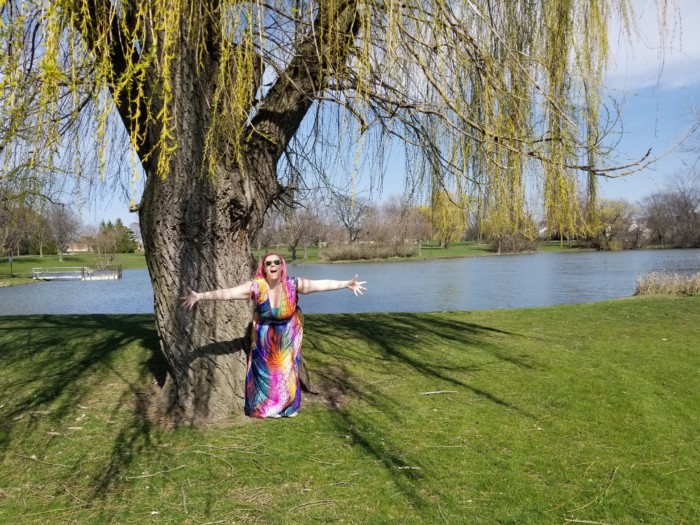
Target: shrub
<point>513,243</point>
<point>668,284</point>
<point>359,252</point>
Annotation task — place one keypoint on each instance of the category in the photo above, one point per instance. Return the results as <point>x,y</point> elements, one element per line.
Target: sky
<point>655,78</point>
<point>658,82</point>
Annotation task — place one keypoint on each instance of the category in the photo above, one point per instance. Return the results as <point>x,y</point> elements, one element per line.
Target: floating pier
<point>76,273</point>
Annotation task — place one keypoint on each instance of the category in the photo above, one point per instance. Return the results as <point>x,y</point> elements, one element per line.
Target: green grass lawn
<point>571,414</point>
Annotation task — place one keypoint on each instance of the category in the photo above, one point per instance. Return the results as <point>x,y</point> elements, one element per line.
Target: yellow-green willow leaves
<point>500,94</point>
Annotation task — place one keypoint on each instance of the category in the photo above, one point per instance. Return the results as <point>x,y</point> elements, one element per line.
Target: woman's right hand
<point>189,300</point>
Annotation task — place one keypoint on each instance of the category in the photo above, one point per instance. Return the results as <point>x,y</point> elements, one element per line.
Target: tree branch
<point>323,51</point>
<point>103,10</point>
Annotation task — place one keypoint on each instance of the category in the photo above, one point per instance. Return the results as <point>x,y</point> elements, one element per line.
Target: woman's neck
<point>272,283</point>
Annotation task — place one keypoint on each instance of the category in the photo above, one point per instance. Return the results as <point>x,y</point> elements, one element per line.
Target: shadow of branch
<point>56,363</point>
<point>405,345</point>
<point>409,339</point>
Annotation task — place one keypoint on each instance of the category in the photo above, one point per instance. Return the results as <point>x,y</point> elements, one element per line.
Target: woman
<point>272,380</point>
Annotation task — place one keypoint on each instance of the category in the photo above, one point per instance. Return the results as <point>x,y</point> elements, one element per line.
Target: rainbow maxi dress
<point>272,387</point>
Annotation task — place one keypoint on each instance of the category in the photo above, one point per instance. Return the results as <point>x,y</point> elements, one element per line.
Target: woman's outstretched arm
<point>239,292</point>
<point>307,286</point>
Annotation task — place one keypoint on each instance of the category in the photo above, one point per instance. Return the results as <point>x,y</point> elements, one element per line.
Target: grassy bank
<point>432,251</point>
<point>571,414</point>
<point>22,265</point>
<point>427,252</point>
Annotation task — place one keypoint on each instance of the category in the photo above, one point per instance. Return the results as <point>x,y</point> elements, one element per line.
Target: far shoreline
<point>22,265</point>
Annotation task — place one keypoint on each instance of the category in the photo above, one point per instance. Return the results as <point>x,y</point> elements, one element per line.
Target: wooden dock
<point>76,273</point>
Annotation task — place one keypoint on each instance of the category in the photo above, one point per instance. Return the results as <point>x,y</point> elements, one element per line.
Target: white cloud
<point>668,61</point>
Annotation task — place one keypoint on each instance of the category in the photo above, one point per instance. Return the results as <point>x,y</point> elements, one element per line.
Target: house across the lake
<point>76,247</point>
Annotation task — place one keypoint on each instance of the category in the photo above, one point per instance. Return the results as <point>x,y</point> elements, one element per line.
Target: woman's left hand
<point>356,286</point>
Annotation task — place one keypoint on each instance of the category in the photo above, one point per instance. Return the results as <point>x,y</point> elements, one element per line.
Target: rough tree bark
<point>197,228</point>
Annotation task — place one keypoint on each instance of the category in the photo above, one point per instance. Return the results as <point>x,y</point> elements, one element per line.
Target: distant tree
<point>126,242</point>
<point>657,209</point>
<point>684,190</point>
<point>351,212</point>
<point>103,245</point>
<point>417,224</point>
<point>269,234</point>
<point>317,227</point>
<point>294,228</point>
<point>373,228</point>
<point>107,241</point>
<point>673,214</point>
<point>299,225</point>
<point>64,224</point>
<point>397,220</point>
<point>136,230</point>
<point>446,217</point>
<point>15,227</point>
<point>40,233</point>
<point>615,223</point>
<point>5,215</point>
<point>392,225</point>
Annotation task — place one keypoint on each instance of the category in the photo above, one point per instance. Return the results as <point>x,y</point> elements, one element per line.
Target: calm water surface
<point>422,286</point>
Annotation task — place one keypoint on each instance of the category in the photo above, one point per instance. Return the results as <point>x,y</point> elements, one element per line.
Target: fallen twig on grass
<point>87,504</point>
<point>679,470</point>
<point>207,454</point>
<point>438,392</point>
<point>312,504</point>
<point>599,496</point>
<point>586,521</point>
<point>160,472</point>
<point>655,514</point>
<point>34,458</point>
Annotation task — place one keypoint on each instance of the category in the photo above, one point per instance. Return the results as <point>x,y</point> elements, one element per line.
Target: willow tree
<point>447,215</point>
<point>224,103</point>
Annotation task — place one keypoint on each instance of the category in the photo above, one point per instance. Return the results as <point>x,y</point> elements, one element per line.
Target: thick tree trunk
<point>196,230</point>
<point>191,240</point>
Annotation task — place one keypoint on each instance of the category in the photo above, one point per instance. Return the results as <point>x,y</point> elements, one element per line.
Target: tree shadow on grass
<point>409,340</point>
<point>53,364</point>
<point>406,344</point>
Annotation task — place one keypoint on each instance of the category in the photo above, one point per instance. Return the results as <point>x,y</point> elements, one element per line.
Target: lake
<point>509,281</point>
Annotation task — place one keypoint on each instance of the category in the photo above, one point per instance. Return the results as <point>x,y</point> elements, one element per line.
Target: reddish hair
<point>260,271</point>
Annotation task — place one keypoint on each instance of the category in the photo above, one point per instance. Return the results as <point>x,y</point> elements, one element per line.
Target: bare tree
<point>40,233</point>
<point>673,214</point>
<point>300,227</point>
<point>684,193</point>
<point>269,234</point>
<point>318,228</point>
<point>351,212</point>
<point>65,226</point>
<point>15,228</point>
<point>657,209</point>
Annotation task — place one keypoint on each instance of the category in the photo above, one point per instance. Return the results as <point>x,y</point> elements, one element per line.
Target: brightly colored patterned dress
<point>272,381</point>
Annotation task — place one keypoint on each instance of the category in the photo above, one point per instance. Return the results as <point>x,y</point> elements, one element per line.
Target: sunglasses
<point>276,262</point>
